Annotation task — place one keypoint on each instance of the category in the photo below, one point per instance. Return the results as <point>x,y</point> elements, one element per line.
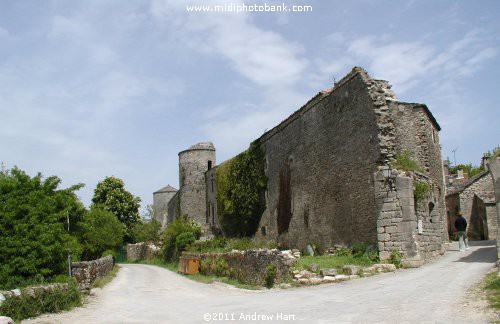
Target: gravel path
<point>438,292</point>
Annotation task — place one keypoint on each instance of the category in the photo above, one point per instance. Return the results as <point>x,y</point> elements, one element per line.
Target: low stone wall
<point>251,266</point>
<point>86,272</point>
<point>33,291</point>
<point>141,251</point>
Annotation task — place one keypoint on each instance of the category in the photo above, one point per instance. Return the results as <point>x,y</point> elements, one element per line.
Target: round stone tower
<point>193,163</point>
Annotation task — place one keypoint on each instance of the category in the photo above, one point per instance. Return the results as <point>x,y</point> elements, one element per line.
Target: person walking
<point>461,226</point>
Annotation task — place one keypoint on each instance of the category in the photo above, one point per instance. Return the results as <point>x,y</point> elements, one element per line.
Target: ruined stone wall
<point>485,183</point>
<point>86,272</point>
<point>412,227</point>
<point>193,163</point>
<point>320,164</point>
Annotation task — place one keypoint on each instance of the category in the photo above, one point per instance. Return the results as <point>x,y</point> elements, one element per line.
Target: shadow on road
<point>487,254</point>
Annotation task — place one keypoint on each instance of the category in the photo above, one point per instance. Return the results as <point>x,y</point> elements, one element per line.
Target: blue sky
<point>96,88</point>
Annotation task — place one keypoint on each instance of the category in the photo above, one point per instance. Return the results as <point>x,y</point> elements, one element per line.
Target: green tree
<point>34,240</point>
<point>110,195</point>
<point>101,231</point>
<point>470,169</point>
<point>147,231</point>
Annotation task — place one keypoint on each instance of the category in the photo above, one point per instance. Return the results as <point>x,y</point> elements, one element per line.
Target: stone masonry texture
<point>193,163</point>
<point>86,272</point>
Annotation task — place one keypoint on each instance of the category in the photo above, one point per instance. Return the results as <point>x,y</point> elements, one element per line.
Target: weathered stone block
<point>328,272</point>
<point>350,269</point>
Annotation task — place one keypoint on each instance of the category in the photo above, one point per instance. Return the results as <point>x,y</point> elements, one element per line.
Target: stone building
<point>475,198</point>
<point>161,198</point>
<point>191,198</point>
<point>333,176</point>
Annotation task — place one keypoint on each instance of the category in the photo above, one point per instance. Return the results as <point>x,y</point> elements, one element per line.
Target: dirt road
<point>434,293</point>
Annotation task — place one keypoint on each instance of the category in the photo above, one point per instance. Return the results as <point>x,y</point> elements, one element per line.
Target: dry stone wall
<point>86,272</point>
<point>141,251</point>
<point>251,266</point>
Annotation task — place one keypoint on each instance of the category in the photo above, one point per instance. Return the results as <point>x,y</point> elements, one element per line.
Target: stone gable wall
<point>321,161</point>
<point>160,206</point>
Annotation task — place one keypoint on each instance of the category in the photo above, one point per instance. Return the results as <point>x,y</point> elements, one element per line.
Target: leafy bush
<point>404,162</point>
<point>34,241</point>
<point>181,225</point>
<point>147,231</point>
<point>48,301</point>
<point>109,252</point>
<point>217,244</point>
<point>270,275</point>
<point>241,183</point>
<point>343,252</point>
<point>363,250</point>
<point>215,266</point>
<point>101,231</point>
<point>396,258</point>
<point>184,240</point>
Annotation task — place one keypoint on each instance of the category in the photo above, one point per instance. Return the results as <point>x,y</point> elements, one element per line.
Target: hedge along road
<point>433,293</point>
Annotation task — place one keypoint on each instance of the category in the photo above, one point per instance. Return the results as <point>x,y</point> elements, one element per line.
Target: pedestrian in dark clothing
<point>461,226</point>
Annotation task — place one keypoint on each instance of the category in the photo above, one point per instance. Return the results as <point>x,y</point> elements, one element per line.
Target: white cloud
<point>263,57</point>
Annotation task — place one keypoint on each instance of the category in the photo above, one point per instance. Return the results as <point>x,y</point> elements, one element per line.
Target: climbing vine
<point>241,183</point>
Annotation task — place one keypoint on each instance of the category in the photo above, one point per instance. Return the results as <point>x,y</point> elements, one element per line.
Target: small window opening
<point>263,230</point>
<point>209,165</point>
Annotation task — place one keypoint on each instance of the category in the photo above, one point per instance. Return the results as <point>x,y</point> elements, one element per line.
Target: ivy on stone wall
<point>241,184</point>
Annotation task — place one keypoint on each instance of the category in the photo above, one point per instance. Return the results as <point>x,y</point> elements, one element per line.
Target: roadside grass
<point>334,261</point>
<point>492,289</point>
<point>101,282</point>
